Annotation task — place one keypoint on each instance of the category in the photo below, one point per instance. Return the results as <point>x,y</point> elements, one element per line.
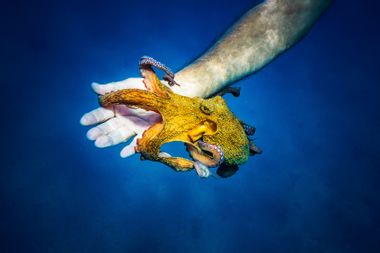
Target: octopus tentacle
<point>215,159</point>
<point>201,169</point>
<point>248,129</point>
<point>225,170</point>
<point>218,154</point>
<point>253,149</point>
<point>235,91</point>
<point>169,75</point>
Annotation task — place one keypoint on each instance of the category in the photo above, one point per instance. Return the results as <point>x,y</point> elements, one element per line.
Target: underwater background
<point>316,108</point>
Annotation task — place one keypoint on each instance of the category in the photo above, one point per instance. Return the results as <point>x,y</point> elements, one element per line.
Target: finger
<point>130,83</point>
<point>130,149</point>
<point>102,89</point>
<point>96,116</point>
<point>120,135</point>
<point>104,129</point>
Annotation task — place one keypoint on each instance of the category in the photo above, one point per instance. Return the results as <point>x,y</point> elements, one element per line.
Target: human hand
<point>119,123</point>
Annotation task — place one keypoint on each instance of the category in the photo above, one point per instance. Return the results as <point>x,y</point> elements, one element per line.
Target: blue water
<point>316,108</point>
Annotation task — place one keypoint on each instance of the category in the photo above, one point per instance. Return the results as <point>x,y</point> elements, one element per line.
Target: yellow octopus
<point>210,131</point>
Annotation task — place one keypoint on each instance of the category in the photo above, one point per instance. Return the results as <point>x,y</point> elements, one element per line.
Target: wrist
<point>189,85</point>
<point>196,81</point>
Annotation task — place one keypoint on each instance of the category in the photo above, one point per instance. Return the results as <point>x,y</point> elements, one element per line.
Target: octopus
<point>212,134</point>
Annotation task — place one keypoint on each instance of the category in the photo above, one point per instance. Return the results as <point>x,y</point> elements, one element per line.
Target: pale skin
<point>258,37</point>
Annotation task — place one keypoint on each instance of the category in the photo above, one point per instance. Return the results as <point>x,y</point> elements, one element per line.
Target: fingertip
<point>87,119</point>
<point>128,151</point>
<point>82,121</point>
<point>93,133</point>
<point>103,142</point>
<point>97,88</point>
<point>94,85</point>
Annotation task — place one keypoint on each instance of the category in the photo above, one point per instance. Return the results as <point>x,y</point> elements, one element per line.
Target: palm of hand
<point>117,124</point>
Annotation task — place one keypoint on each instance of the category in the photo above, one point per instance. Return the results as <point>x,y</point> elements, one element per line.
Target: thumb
<point>130,149</point>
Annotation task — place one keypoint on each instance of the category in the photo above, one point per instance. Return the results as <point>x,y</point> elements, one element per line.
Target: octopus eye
<point>206,109</point>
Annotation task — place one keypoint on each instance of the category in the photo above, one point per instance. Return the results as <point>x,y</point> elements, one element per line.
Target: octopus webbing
<point>211,132</point>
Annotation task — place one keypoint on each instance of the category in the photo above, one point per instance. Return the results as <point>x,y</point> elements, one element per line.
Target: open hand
<point>117,124</point>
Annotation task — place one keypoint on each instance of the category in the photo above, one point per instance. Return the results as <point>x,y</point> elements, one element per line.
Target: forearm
<point>254,40</point>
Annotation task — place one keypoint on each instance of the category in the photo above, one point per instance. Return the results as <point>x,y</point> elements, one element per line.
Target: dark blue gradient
<point>316,108</point>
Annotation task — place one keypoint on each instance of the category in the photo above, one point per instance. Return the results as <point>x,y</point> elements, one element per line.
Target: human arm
<point>258,37</point>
